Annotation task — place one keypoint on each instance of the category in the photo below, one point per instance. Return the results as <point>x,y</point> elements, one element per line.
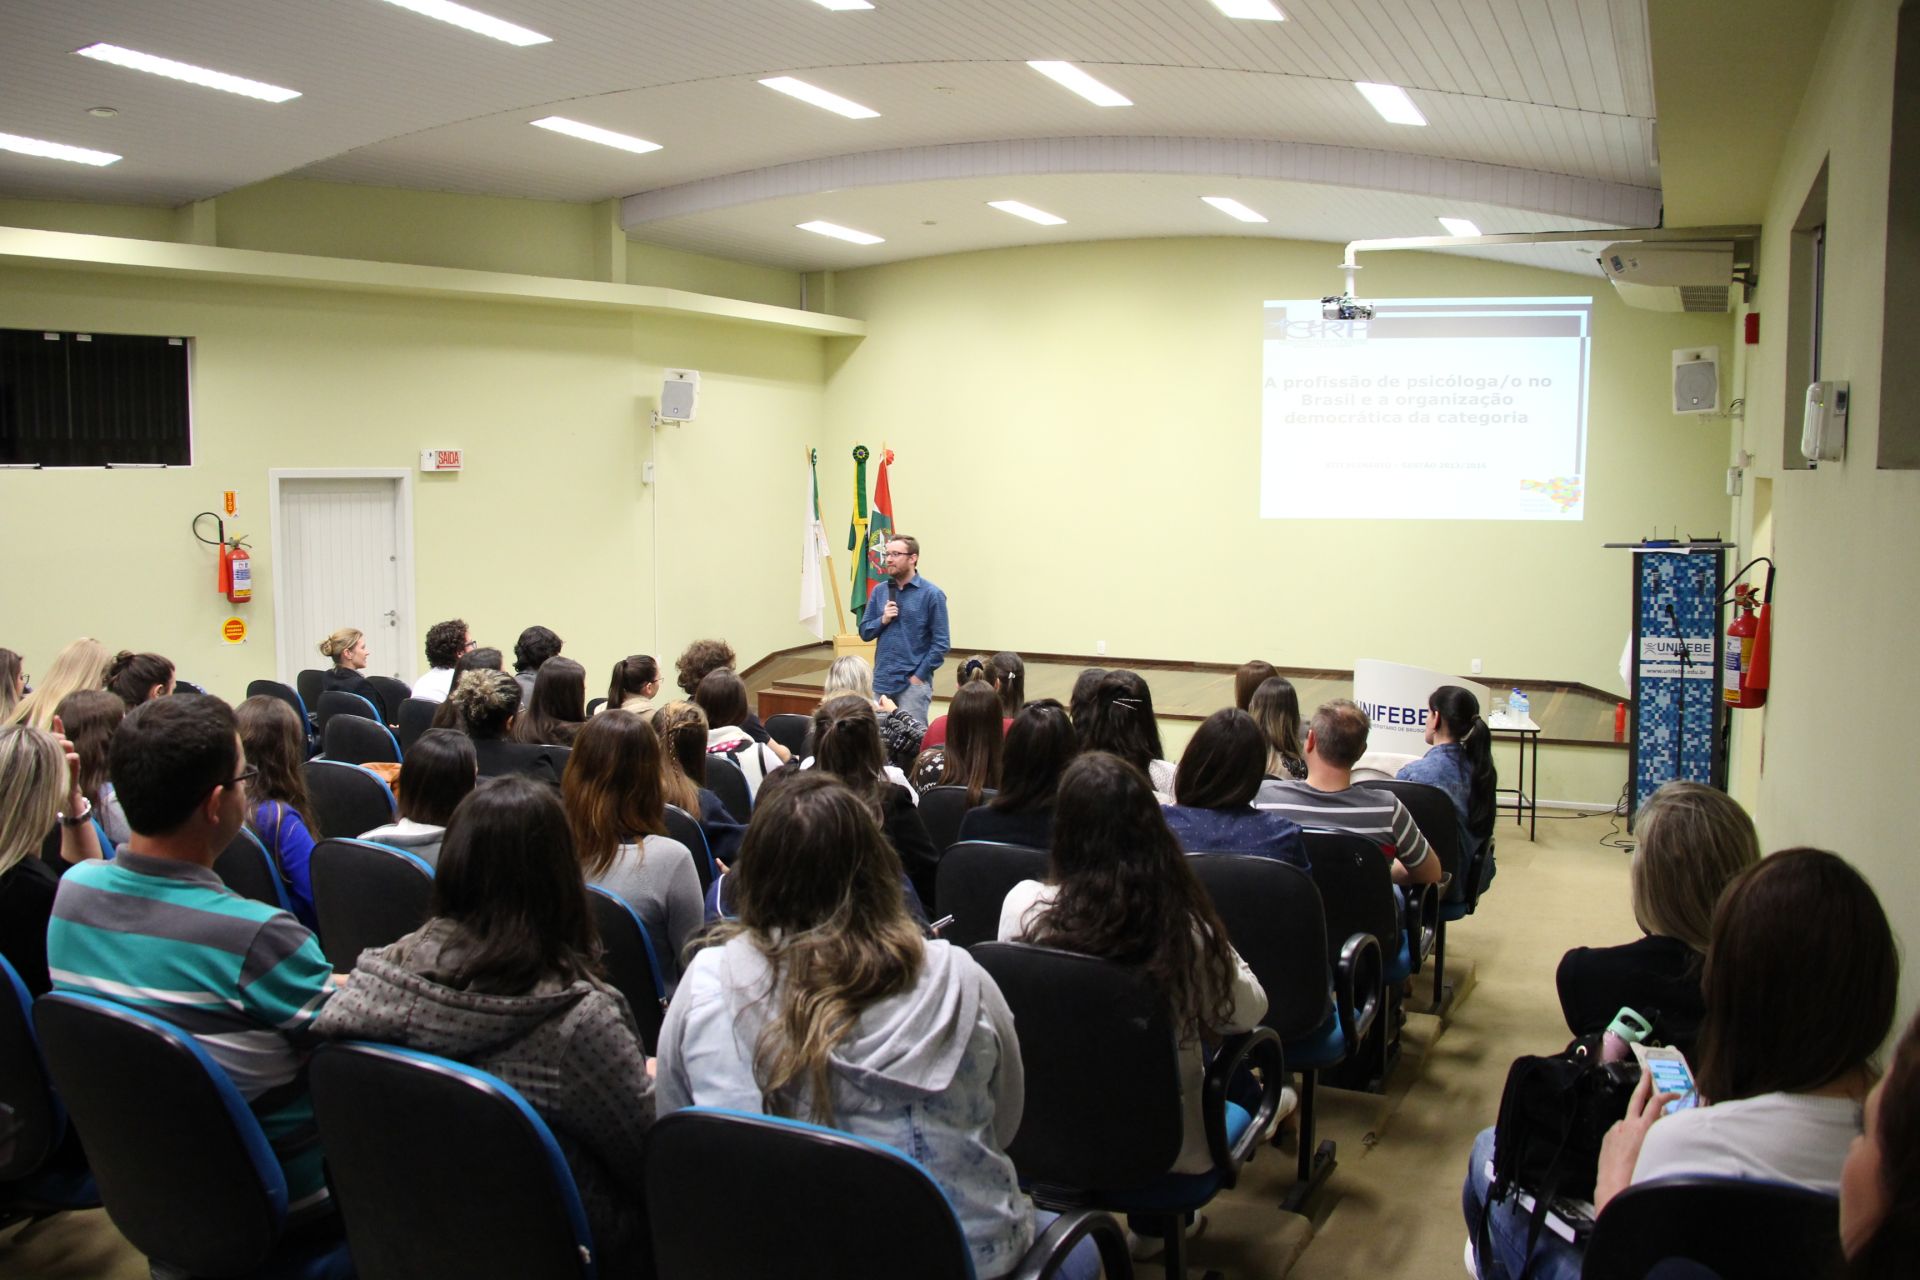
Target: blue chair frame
<point>649,1011</point>
<point>46,1173</point>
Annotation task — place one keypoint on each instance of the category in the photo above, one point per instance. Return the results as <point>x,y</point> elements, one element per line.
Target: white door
<point>342,558</point>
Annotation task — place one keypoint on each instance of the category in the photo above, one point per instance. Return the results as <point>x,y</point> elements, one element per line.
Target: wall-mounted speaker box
<point>1696,380</point>
<point>679,395</point>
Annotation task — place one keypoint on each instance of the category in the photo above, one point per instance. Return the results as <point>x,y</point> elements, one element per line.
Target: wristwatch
<point>75,819</point>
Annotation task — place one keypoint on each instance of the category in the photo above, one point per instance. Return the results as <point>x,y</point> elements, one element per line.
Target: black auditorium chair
<point>246,867</point>
<point>191,1184</point>
<point>503,1204</point>
<point>685,828</point>
<point>1735,1227</point>
<point>358,740</point>
<point>391,693</point>
<point>942,808</point>
<point>366,895</point>
<point>859,1207</point>
<point>1104,1119</point>
<point>43,1171</point>
<point>594,705</point>
<point>311,683</point>
<point>631,963</point>
<point>790,730</point>
<point>274,689</point>
<point>1356,891</point>
<point>972,881</point>
<point>347,799</point>
<point>725,780</point>
<point>415,718</point>
<point>1322,1001</point>
<point>335,702</point>
<point>1434,814</point>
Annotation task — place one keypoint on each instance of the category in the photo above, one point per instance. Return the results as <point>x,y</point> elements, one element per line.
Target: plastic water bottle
<point>1517,706</point>
<point>1627,1029</point>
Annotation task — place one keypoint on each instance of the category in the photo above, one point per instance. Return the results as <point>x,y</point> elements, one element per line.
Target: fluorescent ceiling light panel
<point>841,6</point>
<point>594,133</point>
<point>1233,208</point>
<point>54,150</point>
<point>814,95</point>
<point>153,64</point>
<point>1392,102</point>
<point>1027,211</point>
<point>1459,227</point>
<point>839,232</point>
<point>1251,10</point>
<point>1068,76</point>
<point>482,24</point>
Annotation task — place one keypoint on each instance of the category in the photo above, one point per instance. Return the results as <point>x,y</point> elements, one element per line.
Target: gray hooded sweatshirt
<point>570,1049</point>
<point>933,1072</point>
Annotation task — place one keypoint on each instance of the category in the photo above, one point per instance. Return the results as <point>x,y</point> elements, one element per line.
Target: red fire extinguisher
<point>233,572</point>
<point>1747,668</point>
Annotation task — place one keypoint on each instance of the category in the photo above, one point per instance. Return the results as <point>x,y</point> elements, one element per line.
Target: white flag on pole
<point>813,548</point>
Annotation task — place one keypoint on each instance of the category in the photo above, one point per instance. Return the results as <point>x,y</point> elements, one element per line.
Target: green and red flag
<point>880,526</point>
<point>863,582</point>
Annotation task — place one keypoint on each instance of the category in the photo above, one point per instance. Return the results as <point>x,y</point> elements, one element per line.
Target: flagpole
<point>839,608</point>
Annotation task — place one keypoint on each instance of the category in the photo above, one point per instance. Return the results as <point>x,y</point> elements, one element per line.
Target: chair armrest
<point>1050,1250</point>
<point>1262,1047</point>
<point>1422,921</point>
<point>1358,980</point>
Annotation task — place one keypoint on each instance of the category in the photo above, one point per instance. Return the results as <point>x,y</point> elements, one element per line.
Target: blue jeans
<point>1082,1263</point>
<point>1505,1254</point>
<point>916,700</point>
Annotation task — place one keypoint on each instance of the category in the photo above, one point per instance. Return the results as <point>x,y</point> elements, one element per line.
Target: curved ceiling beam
<point>1586,199</point>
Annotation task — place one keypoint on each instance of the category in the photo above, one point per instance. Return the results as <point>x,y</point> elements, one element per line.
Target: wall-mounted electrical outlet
<point>1476,666</point>
<point>646,472</point>
<point>1100,648</point>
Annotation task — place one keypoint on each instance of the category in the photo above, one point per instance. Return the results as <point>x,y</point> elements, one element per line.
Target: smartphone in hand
<point>1671,1074</point>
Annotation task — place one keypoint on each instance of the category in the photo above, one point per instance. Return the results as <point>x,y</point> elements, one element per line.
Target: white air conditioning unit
<point>1671,276</point>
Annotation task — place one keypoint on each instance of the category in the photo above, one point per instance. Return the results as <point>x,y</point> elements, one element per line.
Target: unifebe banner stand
<point>1676,650</point>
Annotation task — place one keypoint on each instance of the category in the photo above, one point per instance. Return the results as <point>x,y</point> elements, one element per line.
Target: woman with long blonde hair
<point>39,788</point>
<point>81,665</point>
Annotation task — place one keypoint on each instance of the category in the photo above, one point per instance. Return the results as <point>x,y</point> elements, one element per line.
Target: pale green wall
<point>1078,441</point>
<point>137,222</point>
<point>1839,721</point>
<point>674,269</point>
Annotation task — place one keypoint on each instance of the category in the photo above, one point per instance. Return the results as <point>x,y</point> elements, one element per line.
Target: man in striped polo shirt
<point>156,929</point>
<point>1327,798</point>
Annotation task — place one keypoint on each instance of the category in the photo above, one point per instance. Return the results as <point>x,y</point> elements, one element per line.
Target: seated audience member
<point>705,656</point>
<point>972,757</point>
<point>1459,761</point>
<point>614,808</point>
<point>1275,707</point>
<point>1008,676</point>
<point>1327,797</point>
<point>488,702</point>
<point>447,715</point>
<point>89,719</point>
<point>438,773</point>
<point>1119,720</point>
<point>135,678</point>
<point>682,730</point>
<point>902,735</point>
<point>348,649</point>
<point>155,927</point>
<point>1040,746</point>
<point>846,744</point>
<point>13,683</point>
<point>826,1005</point>
<point>1880,1181</point>
<point>503,977</point>
<point>558,707</point>
<point>39,791</point>
<point>446,643</point>
<point>531,652</point>
<point>1080,701</point>
<point>1220,773</point>
<point>1118,886</point>
<point>724,698</point>
<point>1693,841</point>
<point>635,685</point>
<point>1800,979</point>
<point>81,665</point>
<point>281,813</point>
<point>1248,678</point>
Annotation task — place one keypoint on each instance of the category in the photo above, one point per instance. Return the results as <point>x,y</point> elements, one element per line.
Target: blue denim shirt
<point>1252,831</point>
<point>913,644</point>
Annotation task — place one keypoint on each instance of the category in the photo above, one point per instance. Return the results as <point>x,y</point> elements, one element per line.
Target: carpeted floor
<point>1392,1208</point>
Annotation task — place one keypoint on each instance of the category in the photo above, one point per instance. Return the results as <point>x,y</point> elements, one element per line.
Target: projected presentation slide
<point>1435,409</point>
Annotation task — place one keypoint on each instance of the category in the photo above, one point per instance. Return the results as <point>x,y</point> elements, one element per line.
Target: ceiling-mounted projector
<point>1671,275</point>
<point>1345,307</point>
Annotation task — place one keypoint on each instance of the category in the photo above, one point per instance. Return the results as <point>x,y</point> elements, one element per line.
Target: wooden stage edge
<point>1568,713</point>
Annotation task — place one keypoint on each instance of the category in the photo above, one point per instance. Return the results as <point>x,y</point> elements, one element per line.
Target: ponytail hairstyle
<point>630,676</point>
<point>846,744</point>
<point>1275,707</point>
<point>682,730</point>
<point>1459,711</point>
<point>1010,675</point>
<point>88,718</point>
<point>978,667</point>
<point>975,740</point>
<point>132,676</point>
<point>1250,677</point>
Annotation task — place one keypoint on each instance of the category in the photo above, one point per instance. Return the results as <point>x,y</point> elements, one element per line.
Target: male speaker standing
<point>908,614</point>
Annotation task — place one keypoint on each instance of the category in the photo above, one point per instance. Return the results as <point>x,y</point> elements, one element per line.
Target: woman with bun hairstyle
<point>81,665</point>
<point>137,677</point>
<point>635,685</point>
<point>488,703</point>
<point>1275,707</point>
<point>348,649</point>
<point>275,743</point>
